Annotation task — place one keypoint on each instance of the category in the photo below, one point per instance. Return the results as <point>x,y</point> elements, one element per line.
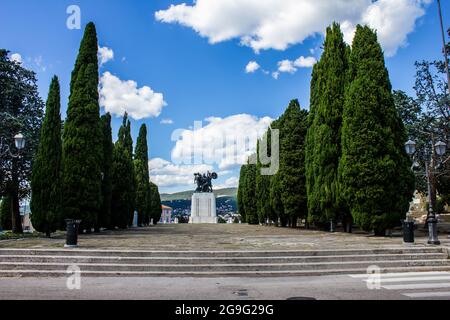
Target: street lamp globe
<point>410,147</point>
<point>441,148</point>
<point>19,140</point>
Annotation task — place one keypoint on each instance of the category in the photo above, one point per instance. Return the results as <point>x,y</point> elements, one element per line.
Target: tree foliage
<point>46,178</point>
<point>155,203</point>
<point>292,163</point>
<point>142,177</point>
<point>123,180</point>
<point>21,111</point>
<point>376,180</point>
<point>82,138</point>
<point>5,213</point>
<point>104,218</point>
<point>328,84</point>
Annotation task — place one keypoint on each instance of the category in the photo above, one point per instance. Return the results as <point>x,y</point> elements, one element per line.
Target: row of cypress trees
<point>282,196</point>
<point>78,172</point>
<point>345,161</point>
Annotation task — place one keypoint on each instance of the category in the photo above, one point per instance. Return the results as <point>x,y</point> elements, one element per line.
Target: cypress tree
<point>324,136</point>
<point>104,219</point>
<point>376,179</point>
<point>142,177</point>
<point>240,194</point>
<point>263,207</point>
<point>249,195</point>
<point>292,163</point>
<point>123,180</point>
<point>155,203</point>
<point>82,139</point>
<point>275,187</point>
<point>45,202</point>
<point>5,213</point>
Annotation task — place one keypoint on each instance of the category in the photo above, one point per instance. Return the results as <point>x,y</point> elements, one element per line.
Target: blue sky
<point>200,79</point>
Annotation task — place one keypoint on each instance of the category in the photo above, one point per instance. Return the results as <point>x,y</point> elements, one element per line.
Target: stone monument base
<point>203,208</point>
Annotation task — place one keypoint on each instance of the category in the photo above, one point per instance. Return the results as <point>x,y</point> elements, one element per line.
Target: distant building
<point>25,213</point>
<point>166,216</point>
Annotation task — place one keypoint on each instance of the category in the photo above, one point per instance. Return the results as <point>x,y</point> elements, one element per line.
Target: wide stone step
<point>289,273</point>
<point>216,260</point>
<point>217,254</point>
<point>162,268</point>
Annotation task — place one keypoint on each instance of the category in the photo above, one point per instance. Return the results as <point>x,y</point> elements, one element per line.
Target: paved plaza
<point>181,237</point>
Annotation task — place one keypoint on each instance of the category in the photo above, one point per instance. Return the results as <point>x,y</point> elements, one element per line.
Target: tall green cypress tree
<point>263,184</point>
<point>376,179</point>
<point>249,195</point>
<point>142,177</point>
<point>313,203</point>
<point>82,139</point>
<point>5,213</point>
<point>240,193</point>
<point>324,135</point>
<point>123,179</point>
<point>275,186</point>
<point>104,219</point>
<point>155,203</point>
<point>46,177</point>
<point>292,163</point>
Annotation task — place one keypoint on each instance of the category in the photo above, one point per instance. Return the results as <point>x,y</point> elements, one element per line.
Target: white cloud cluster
<point>289,66</point>
<point>278,24</point>
<point>227,142</point>
<point>167,174</point>
<point>167,121</point>
<point>118,96</point>
<point>232,182</point>
<point>105,54</point>
<point>16,57</point>
<point>252,67</point>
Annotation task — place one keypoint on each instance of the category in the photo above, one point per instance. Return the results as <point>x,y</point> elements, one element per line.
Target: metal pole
<point>445,44</point>
<point>432,221</point>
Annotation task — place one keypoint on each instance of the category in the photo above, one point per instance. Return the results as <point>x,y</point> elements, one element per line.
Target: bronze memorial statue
<point>203,181</point>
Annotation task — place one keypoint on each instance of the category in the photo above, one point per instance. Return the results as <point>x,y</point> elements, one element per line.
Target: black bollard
<point>408,232</point>
<point>72,233</point>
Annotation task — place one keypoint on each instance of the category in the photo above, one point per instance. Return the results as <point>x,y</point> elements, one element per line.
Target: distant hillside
<point>187,195</point>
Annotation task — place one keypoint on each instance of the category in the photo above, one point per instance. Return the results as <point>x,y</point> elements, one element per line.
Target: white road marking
<point>417,281</point>
<point>413,279</point>
<point>428,294</point>
<point>407,274</point>
<point>417,286</point>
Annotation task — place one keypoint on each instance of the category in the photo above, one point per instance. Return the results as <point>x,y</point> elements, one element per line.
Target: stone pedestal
<point>203,208</point>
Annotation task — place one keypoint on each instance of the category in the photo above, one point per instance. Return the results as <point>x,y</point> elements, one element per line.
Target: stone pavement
<point>183,237</point>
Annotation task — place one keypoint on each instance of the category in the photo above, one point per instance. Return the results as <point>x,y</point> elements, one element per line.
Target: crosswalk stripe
<point>412,279</point>
<point>428,294</point>
<point>417,286</point>
<point>394,275</point>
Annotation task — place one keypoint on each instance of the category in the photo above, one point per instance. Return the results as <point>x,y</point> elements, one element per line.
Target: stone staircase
<point>101,263</point>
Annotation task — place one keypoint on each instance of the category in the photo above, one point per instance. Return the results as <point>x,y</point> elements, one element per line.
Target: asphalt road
<point>342,287</point>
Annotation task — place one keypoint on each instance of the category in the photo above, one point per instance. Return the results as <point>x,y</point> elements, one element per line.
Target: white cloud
<point>252,67</point>
<point>232,182</point>
<point>16,57</point>
<point>167,121</point>
<point>278,24</point>
<point>227,142</point>
<point>167,174</point>
<point>118,96</point>
<point>286,66</point>
<point>303,62</point>
<point>105,54</point>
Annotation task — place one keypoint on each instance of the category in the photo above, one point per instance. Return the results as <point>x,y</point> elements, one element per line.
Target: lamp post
<point>444,43</point>
<point>19,142</point>
<point>439,148</point>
